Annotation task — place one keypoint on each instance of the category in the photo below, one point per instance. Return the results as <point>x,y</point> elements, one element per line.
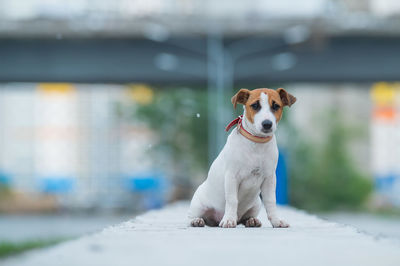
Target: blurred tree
<point>5,190</point>
<point>179,118</point>
<point>323,177</point>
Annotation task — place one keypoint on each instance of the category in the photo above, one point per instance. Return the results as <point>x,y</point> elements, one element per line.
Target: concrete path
<point>21,228</point>
<point>377,225</point>
<point>164,238</point>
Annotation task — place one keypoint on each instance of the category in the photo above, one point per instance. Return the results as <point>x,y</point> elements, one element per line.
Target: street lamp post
<point>221,60</point>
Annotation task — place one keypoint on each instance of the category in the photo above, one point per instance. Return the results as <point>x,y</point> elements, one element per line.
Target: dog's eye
<point>275,106</point>
<point>256,106</point>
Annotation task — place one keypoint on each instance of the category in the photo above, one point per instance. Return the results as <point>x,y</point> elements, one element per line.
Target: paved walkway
<point>26,227</point>
<point>163,238</point>
<point>377,225</point>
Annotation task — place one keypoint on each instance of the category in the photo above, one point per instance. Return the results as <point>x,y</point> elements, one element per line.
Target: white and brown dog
<point>246,166</point>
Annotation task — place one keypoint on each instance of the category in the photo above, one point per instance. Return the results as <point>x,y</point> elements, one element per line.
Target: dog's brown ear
<point>287,98</point>
<point>240,97</point>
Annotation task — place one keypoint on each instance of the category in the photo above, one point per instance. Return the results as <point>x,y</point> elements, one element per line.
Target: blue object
<point>385,183</point>
<point>5,179</point>
<point>281,181</point>
<point>141,182</point>
<point>151,186</point>
<point>56,184</point>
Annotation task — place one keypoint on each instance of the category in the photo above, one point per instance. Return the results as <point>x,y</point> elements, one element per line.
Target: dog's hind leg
<point>196,214</point>
<point>197,209</point>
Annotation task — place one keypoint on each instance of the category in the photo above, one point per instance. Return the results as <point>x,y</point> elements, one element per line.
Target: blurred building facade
<point>71,141</point>
<point>385,139</point>
<point>157,19</point>
<point>81,143</point>
<point>221,45</point>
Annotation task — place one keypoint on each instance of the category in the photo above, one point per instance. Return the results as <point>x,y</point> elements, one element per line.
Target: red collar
<point>245,133</point>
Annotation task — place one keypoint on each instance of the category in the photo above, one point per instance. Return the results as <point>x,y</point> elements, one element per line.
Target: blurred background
<point>110,108</point>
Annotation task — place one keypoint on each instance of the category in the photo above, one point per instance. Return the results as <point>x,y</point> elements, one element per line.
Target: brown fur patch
<point>240,97</point>
<point>247,98</point>
<point>287,98</point>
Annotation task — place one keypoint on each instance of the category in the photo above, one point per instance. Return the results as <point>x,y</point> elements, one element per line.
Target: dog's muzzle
<point>266,126</point>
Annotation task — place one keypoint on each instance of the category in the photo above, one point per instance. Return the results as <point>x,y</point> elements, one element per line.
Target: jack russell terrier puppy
<point>246,166</point>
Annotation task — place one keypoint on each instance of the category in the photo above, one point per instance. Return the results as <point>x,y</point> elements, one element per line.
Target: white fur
<point>264,114</point>
<point>242,171</point>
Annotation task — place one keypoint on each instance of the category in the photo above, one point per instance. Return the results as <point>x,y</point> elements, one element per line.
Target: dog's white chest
<point>255,166</point>
<point>252,180</point>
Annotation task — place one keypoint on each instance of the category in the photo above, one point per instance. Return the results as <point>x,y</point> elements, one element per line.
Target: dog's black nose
<point>266,124</point>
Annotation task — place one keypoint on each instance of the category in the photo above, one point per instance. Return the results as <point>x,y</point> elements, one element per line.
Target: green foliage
<point>324,177</point>
<point>179,117</point>
<point>10,248</point>
<point>4,191</point>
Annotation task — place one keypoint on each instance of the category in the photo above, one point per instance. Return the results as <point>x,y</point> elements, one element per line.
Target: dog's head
<point>263,107</point>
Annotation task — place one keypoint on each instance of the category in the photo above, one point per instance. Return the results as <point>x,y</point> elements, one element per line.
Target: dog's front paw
<point>252,222</point>
<point>277,223</point>
<point>228,222</point>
